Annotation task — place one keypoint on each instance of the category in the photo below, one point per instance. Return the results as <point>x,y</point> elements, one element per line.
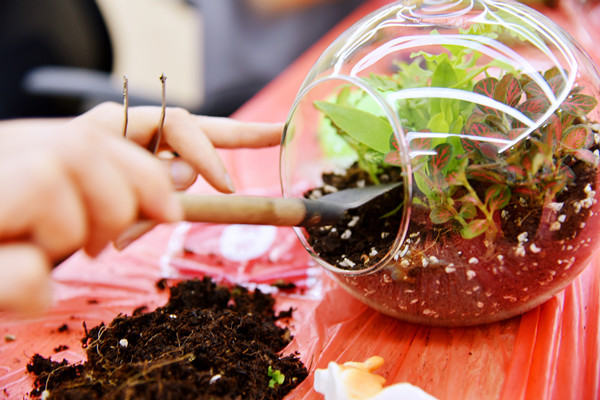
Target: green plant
<point>277,378</point>
<point>474,145</point>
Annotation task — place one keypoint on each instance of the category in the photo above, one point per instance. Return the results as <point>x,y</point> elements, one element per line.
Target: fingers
<point>229,133</point>
<point>44,205</point>
<point>24,278</point>
<point>182,173</point>
<point>193,137</point>
<point>119,183</point>
<point>185,137</point>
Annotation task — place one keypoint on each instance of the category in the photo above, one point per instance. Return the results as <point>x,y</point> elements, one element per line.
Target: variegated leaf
<point>579,104</point>
<point>440,215</point>
<point>475,228</point>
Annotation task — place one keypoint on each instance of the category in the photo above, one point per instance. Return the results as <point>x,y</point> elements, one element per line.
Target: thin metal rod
<point>125,104</point>
<point>155,142</point>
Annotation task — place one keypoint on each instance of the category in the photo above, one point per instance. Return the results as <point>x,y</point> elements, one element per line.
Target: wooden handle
<point>234,209</point>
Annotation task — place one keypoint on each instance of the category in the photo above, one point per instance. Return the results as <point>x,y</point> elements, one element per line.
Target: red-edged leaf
<point>557,83</point>
<point>551,73</point>
<point>475,228</point>
<point>394,143</point>
<point>469,199</point>
<point>525,191</point>
<point>454,178</point>
<point>533,106</point>
<point>468,145</point>
<point>485,175</point>
<point>515,170</point>
<point>420,144</point>
<point>515,133</point>
<point>439,181</point>
<point>575,137</point>
<point>442,157</point>
<point>579,104</point>
<point>486,86</point>
<point>508,90</point>
<point>440,215</point>
<point>567,172</point>
<point>393,158</point>
<point>476,116</point>
<point>478,129</point>
<point>497,197</point>
<point>587,156</point>
<point>467,211</point>
<point>554,131</point>
<point>488,150</point>
<point>532,89</point>
<point>567,119</point>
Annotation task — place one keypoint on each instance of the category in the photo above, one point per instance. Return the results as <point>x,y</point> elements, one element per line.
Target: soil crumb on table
<point>207,342</point>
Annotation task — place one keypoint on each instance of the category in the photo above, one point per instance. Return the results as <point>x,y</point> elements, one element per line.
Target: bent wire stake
<point>125,104</point>
<point>156,138</point>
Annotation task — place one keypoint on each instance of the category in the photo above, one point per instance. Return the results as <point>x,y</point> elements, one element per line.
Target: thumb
<point>183,174</point>
<point>24,278</point>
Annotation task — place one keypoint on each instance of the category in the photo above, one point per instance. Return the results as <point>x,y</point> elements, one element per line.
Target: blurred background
<point>62,57</point>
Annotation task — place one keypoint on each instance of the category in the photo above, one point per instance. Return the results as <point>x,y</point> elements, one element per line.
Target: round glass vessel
<point>483,115</point>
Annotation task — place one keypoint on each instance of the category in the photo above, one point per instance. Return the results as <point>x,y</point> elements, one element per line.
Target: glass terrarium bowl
<point>483,114</point>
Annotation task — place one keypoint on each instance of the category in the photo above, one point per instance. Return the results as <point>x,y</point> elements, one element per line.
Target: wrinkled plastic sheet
<point>551,352</point>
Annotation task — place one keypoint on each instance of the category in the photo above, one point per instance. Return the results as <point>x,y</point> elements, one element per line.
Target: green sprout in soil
<point>487,157</point>
<point>277,378</point>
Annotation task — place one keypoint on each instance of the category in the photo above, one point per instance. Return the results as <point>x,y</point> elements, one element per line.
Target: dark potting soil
<point>363,237</point>
<point>207,342</point>
<point>440,278</point>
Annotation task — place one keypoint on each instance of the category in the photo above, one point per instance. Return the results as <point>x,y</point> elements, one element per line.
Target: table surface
<point>551,352</point>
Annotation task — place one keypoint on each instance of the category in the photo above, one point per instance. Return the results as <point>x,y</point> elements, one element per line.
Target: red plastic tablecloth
<point>551,352</point>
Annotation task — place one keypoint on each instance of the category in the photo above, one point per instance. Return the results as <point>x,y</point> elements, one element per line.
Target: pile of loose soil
<point>207,342</point>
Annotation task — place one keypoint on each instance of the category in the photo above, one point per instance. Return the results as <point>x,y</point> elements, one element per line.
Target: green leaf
<point>468,211</point>
<point>474,228</point>
<point>438,123</point>
<point>363,126</point>
<point>277,378</point>
<point>444,75</point>
<point>440,215</point>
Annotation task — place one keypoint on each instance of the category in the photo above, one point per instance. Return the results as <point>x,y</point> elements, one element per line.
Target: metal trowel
<point>234,209</point>
<point>256,210</point>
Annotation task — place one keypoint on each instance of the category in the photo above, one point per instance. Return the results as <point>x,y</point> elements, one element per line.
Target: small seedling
<point>276,376</point>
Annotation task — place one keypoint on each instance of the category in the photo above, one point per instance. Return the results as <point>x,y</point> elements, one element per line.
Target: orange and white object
<point>357,381</point>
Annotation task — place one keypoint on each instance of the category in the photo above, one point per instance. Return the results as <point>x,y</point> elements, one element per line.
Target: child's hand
<point>79,184</point>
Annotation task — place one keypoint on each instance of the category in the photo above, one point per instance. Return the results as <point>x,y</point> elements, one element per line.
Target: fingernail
<point>229,183</point>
